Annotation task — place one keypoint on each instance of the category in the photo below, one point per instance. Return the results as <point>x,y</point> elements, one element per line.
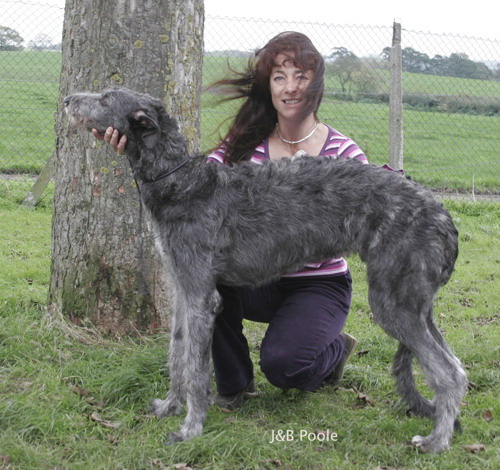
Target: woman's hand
<point>113,138</point>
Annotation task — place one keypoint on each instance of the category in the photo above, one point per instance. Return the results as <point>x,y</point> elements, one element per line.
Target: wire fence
<point>451,94</point>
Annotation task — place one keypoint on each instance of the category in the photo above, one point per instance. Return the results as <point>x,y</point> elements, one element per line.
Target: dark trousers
<point>302,344</point>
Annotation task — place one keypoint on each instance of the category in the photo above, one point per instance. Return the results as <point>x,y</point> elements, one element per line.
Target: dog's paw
<point>428,444</point>
<point>162,408</point>
<point>174,438</point>
<point>417,441</point>
<point>185,433</point>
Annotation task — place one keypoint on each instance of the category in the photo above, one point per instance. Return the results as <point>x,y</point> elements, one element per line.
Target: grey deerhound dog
<point>299,210</point>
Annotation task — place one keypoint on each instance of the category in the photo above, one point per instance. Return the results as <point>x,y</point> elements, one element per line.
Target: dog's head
<point>136,115</point>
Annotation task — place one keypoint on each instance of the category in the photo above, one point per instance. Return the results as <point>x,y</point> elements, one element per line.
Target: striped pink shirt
<point>336,145</point>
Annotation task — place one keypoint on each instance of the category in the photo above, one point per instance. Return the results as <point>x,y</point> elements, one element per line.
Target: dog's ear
<point>150,129</point>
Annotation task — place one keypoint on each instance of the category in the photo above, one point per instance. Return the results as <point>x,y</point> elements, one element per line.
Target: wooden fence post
<point>40,185</point>
<point>396,101</point>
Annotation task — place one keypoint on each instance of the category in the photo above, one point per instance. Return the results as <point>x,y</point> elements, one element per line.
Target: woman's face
<point>288,85</point>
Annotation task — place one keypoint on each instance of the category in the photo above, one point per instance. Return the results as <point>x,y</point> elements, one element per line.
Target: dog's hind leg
<point>441,368</point>
<point>201,312</point>
<point>431,324</point>
<point>405,383</point>
<point>447,378</point>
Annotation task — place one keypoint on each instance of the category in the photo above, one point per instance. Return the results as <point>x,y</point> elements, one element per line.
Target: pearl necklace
<point>292,142</point>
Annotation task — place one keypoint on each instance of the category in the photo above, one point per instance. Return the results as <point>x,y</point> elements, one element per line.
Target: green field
<point>443,150</point>
<point>420,83</point>
<point>72,399</point>
<point>29,86</point>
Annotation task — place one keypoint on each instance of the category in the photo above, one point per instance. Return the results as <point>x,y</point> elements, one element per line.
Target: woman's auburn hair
<point>257,117</point>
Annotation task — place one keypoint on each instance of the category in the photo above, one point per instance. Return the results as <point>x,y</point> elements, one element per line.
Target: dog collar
<point>168,173</point>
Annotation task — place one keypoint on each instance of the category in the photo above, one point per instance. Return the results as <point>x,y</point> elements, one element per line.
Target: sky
<point>436,16</point>
<point>478,18</point>
<point>427,16</point>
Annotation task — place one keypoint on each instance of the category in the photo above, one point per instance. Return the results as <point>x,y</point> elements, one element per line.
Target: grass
<point>25,254</point>
<point>72,399</point>
<point>421,83</point>
<point>25,148</point>
<point>29,86</point>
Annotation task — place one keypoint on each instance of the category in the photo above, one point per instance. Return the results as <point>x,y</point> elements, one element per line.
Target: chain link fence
<point>451,99</point>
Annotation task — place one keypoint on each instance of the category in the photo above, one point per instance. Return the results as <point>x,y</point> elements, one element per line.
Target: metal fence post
<point>396,101</point>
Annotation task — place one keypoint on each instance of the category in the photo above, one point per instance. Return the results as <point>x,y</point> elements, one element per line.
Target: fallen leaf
<point>99,405</point>
<point>384,467</point>
<point>365,398</point>
<point>80,391</point>
<point>104,422</point>
<point>275,462</point>
<point>158,463</point>
<point>466,302</point>
<point>474,448</point>
<point>363,352</point>
<point>471,386</point>
<point>182,466</point>
<point>488,320</point>
<point>112,439</point>
<point>488,415</point>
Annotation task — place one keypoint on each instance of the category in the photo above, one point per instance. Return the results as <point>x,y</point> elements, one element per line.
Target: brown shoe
<point>233,402</point>
<point>338,373</point>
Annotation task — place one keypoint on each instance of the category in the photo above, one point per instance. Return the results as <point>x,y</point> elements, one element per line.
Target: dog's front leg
<point>197,376</point>
<point>177,357</point>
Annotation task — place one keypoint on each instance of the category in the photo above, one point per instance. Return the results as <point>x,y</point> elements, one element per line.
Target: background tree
<point>10,39</point>
<point>366,79</point>
<point>415,61</point>
<point>458,64</point>
<point>496,72</point>
<point>42,42</point>
<point>354,75</point>
<point>97,273</point>
<point>344,65</point>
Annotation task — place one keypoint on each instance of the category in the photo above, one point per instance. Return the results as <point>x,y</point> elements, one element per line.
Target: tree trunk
<point>99,275</point>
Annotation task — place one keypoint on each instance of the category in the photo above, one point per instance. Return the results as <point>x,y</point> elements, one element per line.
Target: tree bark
<point>99,275</point>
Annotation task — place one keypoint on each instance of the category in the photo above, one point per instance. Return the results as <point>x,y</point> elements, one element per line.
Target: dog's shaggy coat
<point>249,224</point>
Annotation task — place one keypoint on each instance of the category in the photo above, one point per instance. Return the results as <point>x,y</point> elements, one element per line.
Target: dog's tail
<point>405,383</point>
<point>449,249</point>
